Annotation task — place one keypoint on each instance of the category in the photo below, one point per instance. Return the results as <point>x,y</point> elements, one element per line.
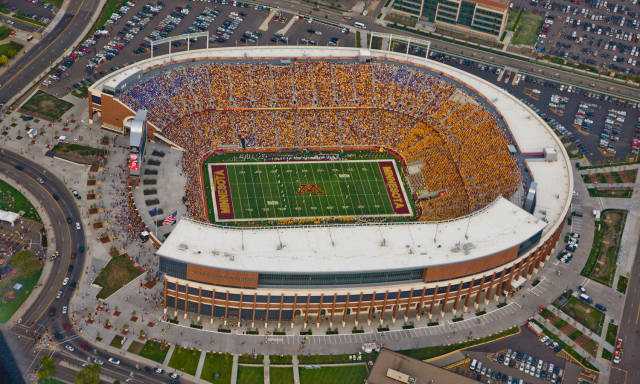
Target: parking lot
<point>597,32</point>
<point>126,39</point>
<point>538,94</point>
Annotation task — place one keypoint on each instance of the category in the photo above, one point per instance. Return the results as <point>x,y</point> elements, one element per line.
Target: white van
<point>473,365</point>
<point>358,24</point>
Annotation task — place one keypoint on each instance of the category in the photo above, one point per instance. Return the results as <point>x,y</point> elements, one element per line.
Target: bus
<point>358,24</point>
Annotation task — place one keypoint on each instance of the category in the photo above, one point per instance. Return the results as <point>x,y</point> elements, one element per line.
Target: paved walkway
<point>234,370</point>
<point>296,372</point>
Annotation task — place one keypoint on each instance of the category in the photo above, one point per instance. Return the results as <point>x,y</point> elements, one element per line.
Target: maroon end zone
<point>398,202</point>
<point>222,192</point>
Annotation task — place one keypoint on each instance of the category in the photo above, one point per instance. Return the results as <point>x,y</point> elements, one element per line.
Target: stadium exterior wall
<point>446,288</point>
<point>362,303</point>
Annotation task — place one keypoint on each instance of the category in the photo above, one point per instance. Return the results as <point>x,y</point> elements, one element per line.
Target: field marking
<point>240,206</point>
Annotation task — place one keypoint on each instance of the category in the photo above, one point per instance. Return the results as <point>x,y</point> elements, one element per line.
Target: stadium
<point>341,185</point>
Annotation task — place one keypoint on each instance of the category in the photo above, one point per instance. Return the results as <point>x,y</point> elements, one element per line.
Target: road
<point>533,68</point>
<point>54,44</point>
<point>627,371</point>
<point>36,320</point>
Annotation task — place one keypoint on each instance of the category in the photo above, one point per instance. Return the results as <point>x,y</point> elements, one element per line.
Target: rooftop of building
<point>423,373</point>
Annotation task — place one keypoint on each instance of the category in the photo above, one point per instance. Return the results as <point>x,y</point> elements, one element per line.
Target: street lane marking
<point>28,65</point>
<point>638,314</point>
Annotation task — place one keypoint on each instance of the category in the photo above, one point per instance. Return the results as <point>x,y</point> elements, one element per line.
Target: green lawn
<point>585,314</point>
<point>118,272</point>
<point>625,193</point>
<point>9,307</point>
<point>354,374</point>
<point>280,360</point>
<point>606,354</point>
<point>10,49</point>
<point>109,7</point>
<point>155,351</point>
<point>217,368</point>
<point>327,359</point>
<point>612,333</point>
<point>50,381</point>
<point>514,19</point>
<point>78,153</point>
<point>601,264</point>
<point>116,342</point>
<point>14,201</point>
<point>250,359</point>
<point>526,32</point>
<point>4,32</point>
<point>622,284</point>
<point>250,375</point>
<point>281,375</point>
<point>135,347</point>
<point>46,105</point>
<point>185,360</point>
<point>438,350</point>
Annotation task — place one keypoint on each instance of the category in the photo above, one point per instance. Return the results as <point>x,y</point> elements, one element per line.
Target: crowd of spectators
<point>427,118</point>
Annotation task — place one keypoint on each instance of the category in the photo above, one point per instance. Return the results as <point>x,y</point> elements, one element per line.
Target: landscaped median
<point>601,264</point>
<point>46,106</point>
<point>281,375</point>
<point>438,350</point>
<point>570,351</point>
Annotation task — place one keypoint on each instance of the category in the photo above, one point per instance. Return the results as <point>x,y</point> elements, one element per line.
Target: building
<point>485,18</point>
<point>374,273</point>
<point>421,372</point>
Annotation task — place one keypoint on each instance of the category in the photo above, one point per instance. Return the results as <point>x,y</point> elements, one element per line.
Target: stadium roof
<point>497,227</point>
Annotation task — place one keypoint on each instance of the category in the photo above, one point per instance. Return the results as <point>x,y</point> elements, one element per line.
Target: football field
<point>244,191</point>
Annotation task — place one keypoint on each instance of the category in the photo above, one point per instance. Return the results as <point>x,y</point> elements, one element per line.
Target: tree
<point>47,368</point>
<point>88,375</point>
<point>4,59</point>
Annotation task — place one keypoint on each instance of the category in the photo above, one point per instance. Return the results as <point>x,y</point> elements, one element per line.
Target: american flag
<point>170,219</point>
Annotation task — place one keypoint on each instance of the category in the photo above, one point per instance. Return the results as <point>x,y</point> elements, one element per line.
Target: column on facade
<point>213,304</point>
<point>333,309</point>
<point>319,310</point>
<point>406,310</point>
<point>421,304</point>
<point>480,292</point>
<point>306,310</point>
<point>165,303</point>
<point>266,315</point>
<point>186,299</point>
<point>253,310</point>
<point>226,307</point>
<point>358,309</point>
<point>443,307</point>
<point>384,307</point>
<point>372,308</point>
<point>468,296</point>
<point>199,302</point>
<point>346,305</point>
<point>457,299</point>
<point>492,288</point>
<point>433,299</point>
<point>295,305</point>
<point>395,307</point>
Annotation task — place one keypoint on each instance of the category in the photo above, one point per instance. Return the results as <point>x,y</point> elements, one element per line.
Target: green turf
<point>46,105</point>
<point>527,29</point>
<point>155,351</point>
<point>353,374</point>
<point>273,190</point>
<point>601,264</point>
<point>185,360</point>
<point>612,333</point>
<point>14,201</point>
<point>116,342</point>
<point>10,49</point>
<point>250,375</point>
<point>281,375</point>
<point>250,359</point>
<point>8,307</point>
<point>585,314</point>
<point>217,368</point>
<point>280,360</point>
<point>622,284</point>
<point>118,272</point>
